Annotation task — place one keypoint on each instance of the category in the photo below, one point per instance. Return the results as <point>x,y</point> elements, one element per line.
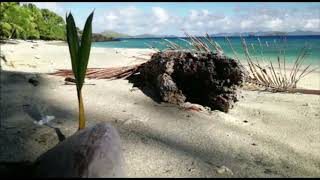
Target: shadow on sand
<point>14,82</point>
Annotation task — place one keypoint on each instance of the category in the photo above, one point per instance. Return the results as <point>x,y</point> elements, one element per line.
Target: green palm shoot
<point>79,53</point>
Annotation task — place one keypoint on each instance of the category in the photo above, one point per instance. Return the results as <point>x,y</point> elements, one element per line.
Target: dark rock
<point>69,79</point>
<point>3,57</point>
<point>16,169</point>
<point>33,81</point>
<point>203,78</point>
<point>91,152</point>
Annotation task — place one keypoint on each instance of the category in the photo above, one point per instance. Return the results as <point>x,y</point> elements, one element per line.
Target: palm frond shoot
<point>79,53</point>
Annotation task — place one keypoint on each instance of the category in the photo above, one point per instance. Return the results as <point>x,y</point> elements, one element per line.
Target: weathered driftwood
<point>91,152</point>
<point>101,73</point>
<point>203,78</point>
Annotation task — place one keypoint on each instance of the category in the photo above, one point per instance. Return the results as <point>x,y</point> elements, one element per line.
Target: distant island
<point>113,34</point>
<point>99,37</point>
<point>96,37</point>
<point>153,36</point>
<point>116,35</point>
<point>269,33</point>
<point>244,34</point>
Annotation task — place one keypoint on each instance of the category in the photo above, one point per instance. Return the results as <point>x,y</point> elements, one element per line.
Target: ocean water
<point>266,48</point>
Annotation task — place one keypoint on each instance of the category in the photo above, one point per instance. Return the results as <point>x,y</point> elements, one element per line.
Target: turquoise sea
<point>267,47</point>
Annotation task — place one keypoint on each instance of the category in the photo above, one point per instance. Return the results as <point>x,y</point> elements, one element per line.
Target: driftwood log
<point>91,152</point>
<point>202,78</point>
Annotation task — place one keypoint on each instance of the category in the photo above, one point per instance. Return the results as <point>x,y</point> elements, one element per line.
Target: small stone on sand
<point>223,170</point>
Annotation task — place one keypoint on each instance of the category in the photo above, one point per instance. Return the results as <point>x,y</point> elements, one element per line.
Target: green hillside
<point>30,22</point>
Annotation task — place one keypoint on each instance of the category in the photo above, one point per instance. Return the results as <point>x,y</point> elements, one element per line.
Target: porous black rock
<point>203,78</point>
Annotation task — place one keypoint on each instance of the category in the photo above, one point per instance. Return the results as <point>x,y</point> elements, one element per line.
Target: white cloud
<point>275,24</point>
<point>200,23</point>
<point>205,12</point>
<point>111,17</point>
<point>245,24</point>
<point>154,30</point>
<point>132,20</point>
<point>313,24</point>
<point>193,15</point>
<point>161,14</point>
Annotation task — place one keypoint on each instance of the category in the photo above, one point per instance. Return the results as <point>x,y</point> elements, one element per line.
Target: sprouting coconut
<point>90,152</point>
<point>79,53</point>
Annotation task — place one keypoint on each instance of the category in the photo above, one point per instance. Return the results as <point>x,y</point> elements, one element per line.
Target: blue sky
<point>197,18</point>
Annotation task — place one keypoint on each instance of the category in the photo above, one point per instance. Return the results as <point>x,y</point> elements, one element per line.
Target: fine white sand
<point>264,135</point>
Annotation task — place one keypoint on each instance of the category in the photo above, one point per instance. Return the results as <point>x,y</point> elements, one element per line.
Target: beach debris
<point>72,81</point>
<point>44,120</point>
<point>33,81</point>
<point>38,112</point>
<point>91,152</point>
<point>101,73</point>
<point>268,171</point>
<point>273,77</point>
<point>3,57</point>
<point>261,77</point>
<point>224,170</point>
<point>178,76</point>
<point>37,56</point>
<point>32,41</point>
<point>193,107</point>
<point>203,78</point>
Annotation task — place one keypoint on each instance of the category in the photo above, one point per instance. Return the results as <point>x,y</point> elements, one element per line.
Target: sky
<point>135,18</point>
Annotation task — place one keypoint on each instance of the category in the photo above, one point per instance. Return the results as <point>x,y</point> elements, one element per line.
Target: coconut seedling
<point>79,53</point>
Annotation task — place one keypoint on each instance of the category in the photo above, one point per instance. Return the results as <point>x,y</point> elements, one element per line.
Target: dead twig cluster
<point>274,77</point>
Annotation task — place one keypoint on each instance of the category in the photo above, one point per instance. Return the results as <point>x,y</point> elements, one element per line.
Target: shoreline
<point>45,62</point>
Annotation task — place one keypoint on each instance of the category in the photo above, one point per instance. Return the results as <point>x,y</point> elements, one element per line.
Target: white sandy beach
<point>264,135</point>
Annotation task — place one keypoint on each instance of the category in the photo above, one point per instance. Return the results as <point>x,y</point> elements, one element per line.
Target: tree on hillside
<point>53,26</point>
<point>37,18</point>
<point>16,21</point>
<point>30,22</point>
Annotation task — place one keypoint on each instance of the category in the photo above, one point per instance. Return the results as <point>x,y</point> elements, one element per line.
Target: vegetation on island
<point>29,22</point>
<point>97,37</point>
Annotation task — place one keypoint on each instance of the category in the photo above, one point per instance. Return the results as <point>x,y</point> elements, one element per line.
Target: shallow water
<point>263,48</point>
